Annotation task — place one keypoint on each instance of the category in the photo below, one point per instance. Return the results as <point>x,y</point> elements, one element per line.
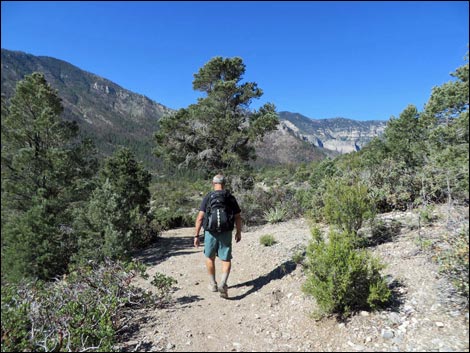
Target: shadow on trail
<point>188,299</point>
<point>397,298</point>
<point>280,271</point>
<point>164,248</point>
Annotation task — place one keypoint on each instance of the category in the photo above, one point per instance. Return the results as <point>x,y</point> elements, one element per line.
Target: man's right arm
<point>199,219</point>
<point>238,225</point>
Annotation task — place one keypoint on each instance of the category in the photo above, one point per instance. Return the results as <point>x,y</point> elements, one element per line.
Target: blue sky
<point>358,60</point>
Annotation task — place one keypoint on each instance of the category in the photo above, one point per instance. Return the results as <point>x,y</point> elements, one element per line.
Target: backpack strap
<point>208,201</point>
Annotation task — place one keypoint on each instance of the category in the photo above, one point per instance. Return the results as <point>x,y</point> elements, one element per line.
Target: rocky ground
<point>267,310</point>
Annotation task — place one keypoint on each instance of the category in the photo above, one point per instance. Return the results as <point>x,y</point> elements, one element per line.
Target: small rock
<point>408,309</point>
<point>364,313</point>
<point>439,324</point>
<point>387,334</point>
<point>170,346</point>
<point>394,318</point>
<point>341,325</point>
<point>398,338</point>
<point>403,326</point>
<point>237,346</point>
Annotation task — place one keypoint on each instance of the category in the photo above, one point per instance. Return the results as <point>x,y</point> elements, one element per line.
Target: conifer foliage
<point>45,169</point>
<point>116,219</point>
<point>216,133</point>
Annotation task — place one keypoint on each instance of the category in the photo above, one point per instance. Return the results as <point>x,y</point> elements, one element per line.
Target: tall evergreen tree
<point>404,135</point>
<point>217,132</point>
<point>129,179</point>
<point>116,219</point>
<point>448,144</point>
<point>45,168</point>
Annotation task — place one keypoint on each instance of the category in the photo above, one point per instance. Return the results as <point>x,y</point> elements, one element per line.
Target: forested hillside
<point>110,115</point>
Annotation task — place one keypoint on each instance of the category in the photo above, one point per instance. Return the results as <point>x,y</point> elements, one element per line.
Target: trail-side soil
<point>267,310</point>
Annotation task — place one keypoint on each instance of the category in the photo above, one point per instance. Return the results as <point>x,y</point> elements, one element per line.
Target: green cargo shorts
<point>219,244</point>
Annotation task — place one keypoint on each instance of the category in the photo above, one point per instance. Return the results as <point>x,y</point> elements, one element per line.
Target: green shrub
<point>174,201</point>
<point>255,203</point>
<point>298,257</point>
<point>426,214</point>
<point>168,218</point>
<point>341,278</point>
<point>267,240</point>
<point>454,261</point>
<point>80,312</point>
<point>275,215</point>
<point>16,324</point>
<point>347,206</point>
<point>163,283</point>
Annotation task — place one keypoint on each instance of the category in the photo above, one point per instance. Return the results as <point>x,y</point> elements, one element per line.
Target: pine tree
<point>45,168</point>
<point>448,144</point>
<point>116,219</point>
<point>404,136</point>
<point>216,133</point>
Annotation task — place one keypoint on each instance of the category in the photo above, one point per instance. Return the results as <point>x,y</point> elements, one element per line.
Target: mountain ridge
<point>336,134</point>
<point>108,113</point>
<point>114,116</point>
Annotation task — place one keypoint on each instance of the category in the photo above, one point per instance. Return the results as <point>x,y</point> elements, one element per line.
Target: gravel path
<point>267,311</point>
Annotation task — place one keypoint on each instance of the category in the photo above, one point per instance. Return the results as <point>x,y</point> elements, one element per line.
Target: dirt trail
<point>267,311</point>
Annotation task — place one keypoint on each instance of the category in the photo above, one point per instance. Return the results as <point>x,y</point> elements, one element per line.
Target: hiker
<point>218,214</point>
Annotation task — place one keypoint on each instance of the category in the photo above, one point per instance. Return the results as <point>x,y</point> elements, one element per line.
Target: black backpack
<point>218,217</point>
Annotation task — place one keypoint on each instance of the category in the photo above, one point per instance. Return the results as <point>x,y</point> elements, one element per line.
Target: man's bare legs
<point>210,265</point>
<point>226,267</point>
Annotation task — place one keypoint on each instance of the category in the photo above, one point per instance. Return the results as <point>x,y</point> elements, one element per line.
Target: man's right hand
<point>196,242</point>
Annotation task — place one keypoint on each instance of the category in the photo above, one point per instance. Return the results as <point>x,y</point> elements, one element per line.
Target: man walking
<point>218,214</point>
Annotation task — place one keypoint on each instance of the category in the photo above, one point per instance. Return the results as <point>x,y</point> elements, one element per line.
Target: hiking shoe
<point>223,291</point>
<point>212,287</point>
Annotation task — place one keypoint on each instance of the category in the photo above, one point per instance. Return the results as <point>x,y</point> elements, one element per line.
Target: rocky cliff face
<point>337,134</point>
<point>282,146</point>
